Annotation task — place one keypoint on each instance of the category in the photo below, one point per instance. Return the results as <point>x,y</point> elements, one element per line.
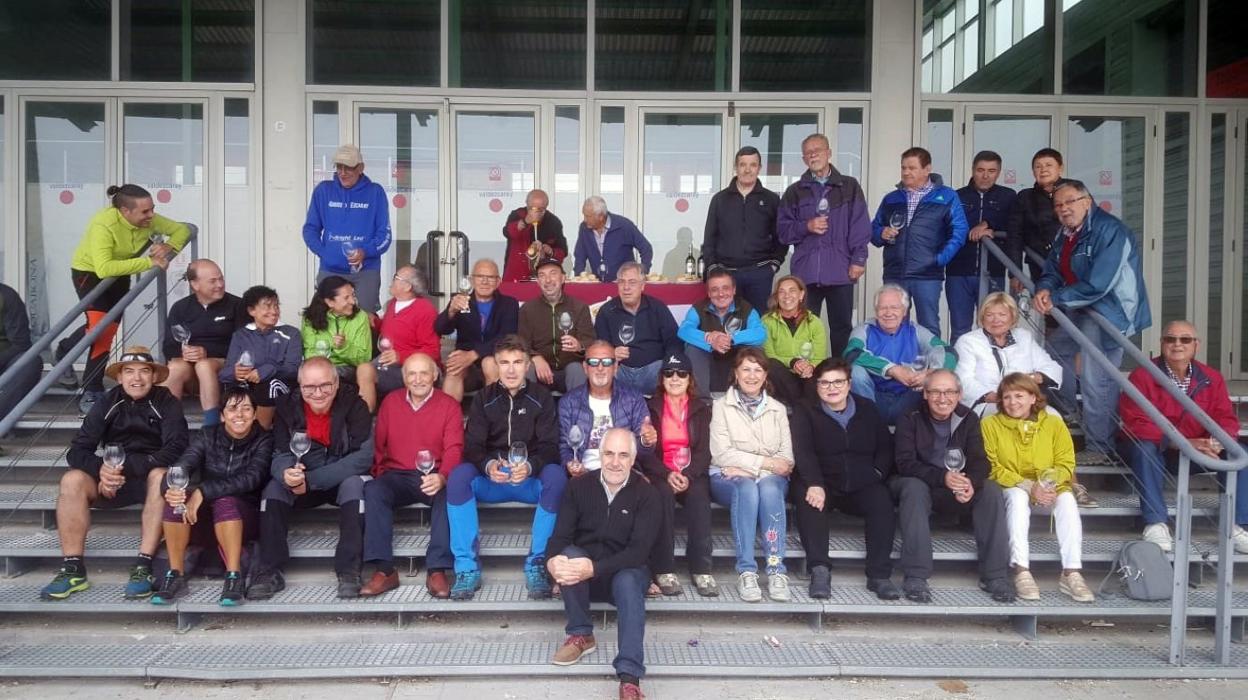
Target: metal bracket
<point>16,566</point>
<point>187,621</point>
<point>1025,626</point>
<point>412,568</point>
<point>815,620</point>
<point>47,518</point>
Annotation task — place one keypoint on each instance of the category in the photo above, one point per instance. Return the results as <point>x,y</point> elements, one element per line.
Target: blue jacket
<point>825,259</point>
<point>276,353</point>
<point>1106,263</point>
<point>337,215</point>
<point>701,318</point>
<point>622,238</point>
<point>992,206</point>
<point>929,241</point>
<point>628,410</point>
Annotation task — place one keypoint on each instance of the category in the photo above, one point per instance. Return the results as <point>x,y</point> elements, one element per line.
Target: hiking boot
<point>778,587</point>
<point>231,590</point>
<point>884,588</point>
<point>705,583</point>
<point>536,580</point>
<point>747,587</point>
<point>141,582</point>
<point>1025,585</point>
<point>266,585</point>
<point>171,586</point>
<point>574,647</point>
<point>65,583</point>
<point>916,590</point>
<point>820,582</point>
<point>668,584</point>
<point>999,588</point>
<point>630,691</point>
<point>467,583</point>
<point>1073,585</point>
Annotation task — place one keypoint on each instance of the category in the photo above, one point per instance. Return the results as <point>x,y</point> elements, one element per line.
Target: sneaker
<point>574,647</point>
<point>778,587</point>
<point>88,400</point>
<point>65,582</point>
<point>705,583</point>
<point>820,582</point>
<point>999,588</point>
<point>231,590</point>
<point>1025,586</point>
<point>171,586</point>
<point>916,590</point>
<point>630,691</point>
<point>536,579</point>
<point>467,583</point>
<point>747,587</point>
<point>884,588</point>
<point>1240,537</point>
<point>1073,585</point>
<point>349,586</point>
<point>1083,498</point>
<point>668,584</point>
<point>1159,534</point>
<point>141,582</point>
<point>69,380</point>
<point>266,585</point>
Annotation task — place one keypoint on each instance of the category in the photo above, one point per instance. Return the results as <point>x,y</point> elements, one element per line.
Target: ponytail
<point>126,195</point>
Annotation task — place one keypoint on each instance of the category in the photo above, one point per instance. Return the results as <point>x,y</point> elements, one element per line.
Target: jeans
<point>1100,391</point>
<point>395,489</point>
<point>840,301</point>
<point>566,378</point>
<point>644,379</point>
<point>962,295</point>
<point>1066,521</point>
<point>916,501</point>
<point>891,406</point>
<point>755,505</point>
<point>925,298</point>
<point>1150,464</point>
<point>872,503</point>
<point>467,485</point>
<point>754,285</point>
<point>626,590</point>
<point>697,509</point>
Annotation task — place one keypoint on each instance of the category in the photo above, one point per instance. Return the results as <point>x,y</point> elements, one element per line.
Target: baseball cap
<point>548,261</point>
<point>348,154</point>
<point>676,360</point>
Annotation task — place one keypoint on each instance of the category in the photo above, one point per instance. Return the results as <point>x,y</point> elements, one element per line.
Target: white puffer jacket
<point>741,441</point>
<point>982,365</point>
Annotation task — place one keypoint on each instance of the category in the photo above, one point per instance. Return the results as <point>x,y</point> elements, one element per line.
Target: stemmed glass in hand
<point>823,207</point>
<point>955,460</point>
<point>732,325</point>
<point>896,221</point>
<point>806,350</point>
<point>681,459</point>
<point>383,344</point>
<point>348,249</point>
<point>425,462</point>
<point>565,323</point>
<point>1048,479</point>
<point>517,455</point>
<point>114,456</point>
<point>576,438</point>
<point>300,445</point>
<point>180,333</point>
<point>627,334</point>
<point>177,480</point>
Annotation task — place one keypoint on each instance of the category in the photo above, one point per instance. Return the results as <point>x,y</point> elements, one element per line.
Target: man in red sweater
<point>418,440</point>
<point>532,226</point>
<point>406,327</point>
<point>1150,454</point>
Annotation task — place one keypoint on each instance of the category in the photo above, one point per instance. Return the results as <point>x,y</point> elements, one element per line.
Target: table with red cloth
<point>678,296</point>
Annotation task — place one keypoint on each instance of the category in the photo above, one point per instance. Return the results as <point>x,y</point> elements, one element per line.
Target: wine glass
<point>245,361</point>
<point>955,460</point>
<point>732,325</point>
<point>300,444</point>
<point>180,333</point>
<point>177,480</point>
<point>896,221</point>
<point>425,462</point>
<point>322,348</point>
<point>806,350</point>
<point>823,207</point>
<point>114,456</point>
<point>383,344</point>
<point>465,285</point>
<point>518,455</point>
<point>156,237</point>
<point>1048,479</point>
<point>576,438</point>
<point>682,458</point>
<point>565,323</point>
<point>348,249</point>
<point>627,334</point>
<point>919,363</point>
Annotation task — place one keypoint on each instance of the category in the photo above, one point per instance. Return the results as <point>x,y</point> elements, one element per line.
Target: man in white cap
<point>348,227</point>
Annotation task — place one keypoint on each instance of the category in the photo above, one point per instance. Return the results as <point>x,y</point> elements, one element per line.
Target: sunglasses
<point>669,373</point>
<point>600,361</point>
<point>1180,339</point>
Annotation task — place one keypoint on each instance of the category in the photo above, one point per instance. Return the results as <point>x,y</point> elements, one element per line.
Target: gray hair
<point>631,265</point>
<point>597,205</point>
<point>416,278</point>
<point>894,288</point>
<point>817,137</point>
<point>1179,321</point>
<point>632,439</point>
<point>1076,185</point>
<point>942,372</point>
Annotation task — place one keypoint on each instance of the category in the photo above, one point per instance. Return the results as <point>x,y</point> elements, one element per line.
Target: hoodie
<point>359,216</point>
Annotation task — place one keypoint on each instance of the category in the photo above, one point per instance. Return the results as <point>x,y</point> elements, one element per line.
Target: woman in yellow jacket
<point>1033,460</point>
<point>113,246</point>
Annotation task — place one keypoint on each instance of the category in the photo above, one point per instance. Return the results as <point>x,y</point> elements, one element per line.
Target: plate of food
<point>584,277</point>
<point>687,279</point>
<point>654,277</point>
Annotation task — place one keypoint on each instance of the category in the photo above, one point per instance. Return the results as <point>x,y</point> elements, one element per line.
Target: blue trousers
<point>925,298</point>
<point>467,485</point>
<point>962,296</point>
<point>754,285</point>
<point>395,489</point>
<point>626,590</point>
<point>644,379</point>
<point>1150,464</point>
<point>755,505</point>
<point>891,406</point>
<point>1100,392</point>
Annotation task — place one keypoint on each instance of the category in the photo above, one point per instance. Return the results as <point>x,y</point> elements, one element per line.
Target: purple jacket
<point>825,259</point>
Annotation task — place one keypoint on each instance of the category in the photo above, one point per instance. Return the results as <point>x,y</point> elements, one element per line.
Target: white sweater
<point>980,372</point>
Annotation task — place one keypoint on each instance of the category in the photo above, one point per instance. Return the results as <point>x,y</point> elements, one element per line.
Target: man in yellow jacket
<point>116,244</point>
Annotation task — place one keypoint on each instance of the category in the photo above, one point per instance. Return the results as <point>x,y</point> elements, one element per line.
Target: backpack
<point>1144,572</point>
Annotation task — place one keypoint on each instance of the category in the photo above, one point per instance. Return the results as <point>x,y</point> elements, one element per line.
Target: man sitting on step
<point>418,441</point>
<point>512,426</point>
<point>141,428</point>
<point>324,465</point>
<point>607,525</point>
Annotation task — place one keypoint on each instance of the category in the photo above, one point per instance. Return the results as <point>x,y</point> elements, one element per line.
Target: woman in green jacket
<point>336,328</point>
<point>796,341</point>
<point>1033,459</point>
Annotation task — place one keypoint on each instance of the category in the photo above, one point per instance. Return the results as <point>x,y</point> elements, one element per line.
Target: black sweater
<point>211,326</point>
<point>827,456</point>
<point>916,458</point>
<point>152,431</point>
<point>616,536</point>
<point>496,419</point>
<point>219,465</point>
<point>350,426</point>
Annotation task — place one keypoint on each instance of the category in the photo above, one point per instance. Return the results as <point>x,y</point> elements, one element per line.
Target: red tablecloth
<point>669,293</point>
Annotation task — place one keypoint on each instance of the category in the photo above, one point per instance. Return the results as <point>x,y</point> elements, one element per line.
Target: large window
<point>55,40</point>
<point>373,42</point>
<point>1136,48</point>
<point>240,217</point>
<point>681,161</point>
<point>1227,57</point>
<point>778,138</point>
<point>611,157</point>
<point>400,149</point>
<point>508,44</point>
<point>1175,209</point>
<point>662,45</point>
<point>797,45</point>
<point>986,46</point>
<point>200,40</point>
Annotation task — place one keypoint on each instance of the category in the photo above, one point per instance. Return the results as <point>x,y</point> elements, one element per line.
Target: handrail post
<point>1226,569</point>
<point>1182,542</point>
<point>983,273</point>
<point>162,313</point>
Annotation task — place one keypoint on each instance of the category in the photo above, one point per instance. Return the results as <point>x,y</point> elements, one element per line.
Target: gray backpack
<point>1143,571</point>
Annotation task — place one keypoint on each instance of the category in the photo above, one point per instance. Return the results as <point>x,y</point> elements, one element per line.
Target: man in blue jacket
<point>1094,265</point>
<point>348,227</point>
<point>715,327</point>
<point>605,241</point>
<point>824,217</point>
<point>478,319</point>
<point>597,406</point>
<point>986,206</point>
<point>921,226</point>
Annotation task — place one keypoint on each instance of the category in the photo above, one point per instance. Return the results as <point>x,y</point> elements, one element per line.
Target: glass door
<point>1015,136</point>
<point>496,164</point>
<point>1239,367</point>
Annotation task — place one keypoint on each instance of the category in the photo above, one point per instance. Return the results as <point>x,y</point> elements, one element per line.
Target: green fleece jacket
<point>358,347</point>
<point>784,345</point>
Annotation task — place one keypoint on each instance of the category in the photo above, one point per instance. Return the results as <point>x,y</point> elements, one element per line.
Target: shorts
<point>474,378</point>
<point>133,492</point>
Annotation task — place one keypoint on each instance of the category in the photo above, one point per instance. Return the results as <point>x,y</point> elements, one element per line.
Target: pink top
<point>675,429</point>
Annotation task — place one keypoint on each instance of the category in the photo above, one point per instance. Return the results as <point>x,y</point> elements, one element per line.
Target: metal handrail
<point>61,367</point>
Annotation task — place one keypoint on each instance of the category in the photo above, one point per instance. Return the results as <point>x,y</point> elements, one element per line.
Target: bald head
<point>617,453</point>
<point>420,373</point>
<point>206,281</point>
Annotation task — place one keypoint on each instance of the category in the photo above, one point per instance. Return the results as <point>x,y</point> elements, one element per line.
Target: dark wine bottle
<point>691,263</point>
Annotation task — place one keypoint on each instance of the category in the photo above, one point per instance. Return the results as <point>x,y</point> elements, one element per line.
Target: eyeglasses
<point>1068,202</point>
<point>314,389</point>
<point>669,373</point>
<point>1180,339</point>
<point>600,361</point>
<point>832,383</point>
<point>946,393</point>
<point>485,278</point>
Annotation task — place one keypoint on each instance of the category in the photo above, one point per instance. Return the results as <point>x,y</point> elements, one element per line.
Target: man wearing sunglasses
<point>1094,265</point>
<point>340,431</point>
<point>597,406</point>
<point>1151,454</point>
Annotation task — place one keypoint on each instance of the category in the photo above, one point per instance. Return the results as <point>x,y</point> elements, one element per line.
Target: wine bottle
<point>701,265</point>
<point>691,263</point>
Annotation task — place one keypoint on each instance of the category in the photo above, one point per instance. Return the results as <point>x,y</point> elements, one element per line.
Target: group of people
<point>604,423</point>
